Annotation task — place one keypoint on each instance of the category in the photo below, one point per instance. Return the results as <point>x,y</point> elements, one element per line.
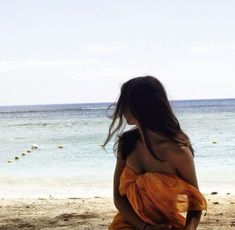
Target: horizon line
<point>82,103</point>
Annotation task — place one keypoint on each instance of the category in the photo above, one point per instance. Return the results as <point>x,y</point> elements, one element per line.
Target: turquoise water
<point>81,168</point>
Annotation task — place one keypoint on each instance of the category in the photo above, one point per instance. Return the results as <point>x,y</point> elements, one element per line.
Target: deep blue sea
<point>82,168</point>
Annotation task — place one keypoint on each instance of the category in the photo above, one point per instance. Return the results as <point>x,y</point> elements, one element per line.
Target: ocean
<point>69,161</point>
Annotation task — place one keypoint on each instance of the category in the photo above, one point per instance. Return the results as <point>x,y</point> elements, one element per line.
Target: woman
<point>154,179</point>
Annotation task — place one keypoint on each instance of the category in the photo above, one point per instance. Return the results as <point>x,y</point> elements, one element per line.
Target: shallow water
<point>82,167</point>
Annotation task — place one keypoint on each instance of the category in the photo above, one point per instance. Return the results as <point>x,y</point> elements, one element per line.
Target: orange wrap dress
<point>157,198</point>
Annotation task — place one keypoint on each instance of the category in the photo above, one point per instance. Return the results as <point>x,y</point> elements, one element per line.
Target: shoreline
<point>85,193</point>
<point>96,213</point>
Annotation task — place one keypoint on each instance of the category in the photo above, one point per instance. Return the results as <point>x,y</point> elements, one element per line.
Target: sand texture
<point>95,213</point>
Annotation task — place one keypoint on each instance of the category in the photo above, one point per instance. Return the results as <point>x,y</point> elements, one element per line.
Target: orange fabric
<point>157,198</point>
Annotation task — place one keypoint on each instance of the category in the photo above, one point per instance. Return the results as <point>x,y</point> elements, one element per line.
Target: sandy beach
<point>95,213</point>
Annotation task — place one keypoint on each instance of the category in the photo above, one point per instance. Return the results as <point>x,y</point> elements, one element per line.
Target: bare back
<point>141,160</point>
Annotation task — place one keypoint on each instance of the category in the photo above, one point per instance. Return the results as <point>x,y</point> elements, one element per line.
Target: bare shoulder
<point>178,153</point>
<point>182,160</point>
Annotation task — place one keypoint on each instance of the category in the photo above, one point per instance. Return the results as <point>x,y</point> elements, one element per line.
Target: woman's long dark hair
<point>146,99</point>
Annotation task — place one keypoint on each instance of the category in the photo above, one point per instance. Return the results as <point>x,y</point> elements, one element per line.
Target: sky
<point>74,51</point>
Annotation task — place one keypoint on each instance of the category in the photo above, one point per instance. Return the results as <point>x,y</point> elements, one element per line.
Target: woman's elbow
<point>117,200</point>
<point>116,203</point>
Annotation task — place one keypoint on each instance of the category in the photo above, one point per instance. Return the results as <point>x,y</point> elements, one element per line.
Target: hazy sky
<point>78,51</point>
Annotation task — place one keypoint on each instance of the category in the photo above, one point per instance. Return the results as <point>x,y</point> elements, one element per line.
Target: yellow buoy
<point>60,146</point>
<point>34,146</point>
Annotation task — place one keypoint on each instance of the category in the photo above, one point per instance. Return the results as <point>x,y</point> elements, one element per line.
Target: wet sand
<point>95,213</point>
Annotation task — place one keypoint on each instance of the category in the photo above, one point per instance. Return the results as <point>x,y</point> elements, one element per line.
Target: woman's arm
<point>184,164</point>
<point>192,220</point>
<point>121,202</point>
